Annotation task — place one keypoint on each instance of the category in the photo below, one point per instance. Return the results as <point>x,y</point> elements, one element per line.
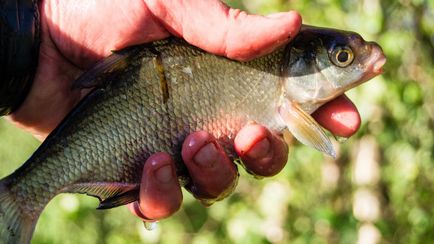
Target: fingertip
<point>194,142</point>
<point>135,209</point>
<point>340,116</point>
<point>158,159</point>
<point>212,173</point>
<point>160,192</point>
<point>262,152</point>
<point>248,136</point>
<point>290,19</point>
<point>288,23</point>
<point>252,36</point>
<point>295,20</point>
<point>296,17</point>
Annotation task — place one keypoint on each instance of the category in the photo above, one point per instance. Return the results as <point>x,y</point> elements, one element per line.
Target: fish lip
<point>374,65</point>
<point>377,66</point>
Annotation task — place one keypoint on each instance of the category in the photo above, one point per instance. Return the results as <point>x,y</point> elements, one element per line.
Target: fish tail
<point>15,225</point>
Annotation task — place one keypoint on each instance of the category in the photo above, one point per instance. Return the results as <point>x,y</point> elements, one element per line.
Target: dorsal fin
<point>96,76</point>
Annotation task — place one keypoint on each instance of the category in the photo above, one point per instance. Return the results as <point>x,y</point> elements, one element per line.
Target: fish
<point>148,98</point>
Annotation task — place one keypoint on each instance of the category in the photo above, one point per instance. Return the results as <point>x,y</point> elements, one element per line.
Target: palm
<point>65,55</point>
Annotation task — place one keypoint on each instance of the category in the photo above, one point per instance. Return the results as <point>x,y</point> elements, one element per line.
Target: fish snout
<point>376,59</point>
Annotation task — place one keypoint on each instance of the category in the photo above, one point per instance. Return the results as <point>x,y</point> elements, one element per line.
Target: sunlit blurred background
<point>379,189</point>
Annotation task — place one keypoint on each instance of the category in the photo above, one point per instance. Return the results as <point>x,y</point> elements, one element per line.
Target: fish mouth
<point>378,65</point>
<point>374,64</point>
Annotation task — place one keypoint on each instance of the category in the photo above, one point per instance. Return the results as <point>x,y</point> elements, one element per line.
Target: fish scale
<point>101,146</point>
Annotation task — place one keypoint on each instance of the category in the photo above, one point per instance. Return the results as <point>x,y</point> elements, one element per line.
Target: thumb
<point>216,28</point>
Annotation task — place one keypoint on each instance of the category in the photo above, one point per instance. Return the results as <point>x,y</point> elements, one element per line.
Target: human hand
<point>76,34</point>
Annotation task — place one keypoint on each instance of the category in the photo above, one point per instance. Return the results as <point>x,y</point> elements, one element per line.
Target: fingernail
<point>198,138</point>
<point>164,174</point>
<point>206,156</point>
<point>277,15</point>
<point>259,150</point>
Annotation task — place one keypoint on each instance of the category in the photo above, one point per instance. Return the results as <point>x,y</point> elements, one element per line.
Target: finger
<point>340,116</point>
<point>216,28</point>
<point>213,175</point>
<point>262,152</point>
<point>160,192</point>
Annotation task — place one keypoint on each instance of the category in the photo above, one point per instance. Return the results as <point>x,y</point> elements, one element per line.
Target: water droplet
<point>183,180</point>
<point>150,225</point>
<point>341,139</point>
<point>207,202</point>
<point>258,177</point>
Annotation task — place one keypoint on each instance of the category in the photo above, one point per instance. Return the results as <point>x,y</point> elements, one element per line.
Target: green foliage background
<point>380,188</point>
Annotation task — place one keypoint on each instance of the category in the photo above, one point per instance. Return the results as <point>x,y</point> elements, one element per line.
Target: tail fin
<point>15,225</point>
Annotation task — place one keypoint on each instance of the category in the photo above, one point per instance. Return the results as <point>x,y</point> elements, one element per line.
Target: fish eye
<point>342,56</point>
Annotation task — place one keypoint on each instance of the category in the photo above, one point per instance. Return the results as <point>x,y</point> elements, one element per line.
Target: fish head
<point>319,65</point>
<point>323,63</point>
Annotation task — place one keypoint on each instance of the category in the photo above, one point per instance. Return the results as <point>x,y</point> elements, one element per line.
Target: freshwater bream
<point>148,98</point>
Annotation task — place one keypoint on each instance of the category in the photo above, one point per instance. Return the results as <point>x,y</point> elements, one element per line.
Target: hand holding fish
<point>76,34</point>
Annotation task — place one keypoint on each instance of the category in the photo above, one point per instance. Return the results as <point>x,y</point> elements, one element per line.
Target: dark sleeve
<point>19,49</point>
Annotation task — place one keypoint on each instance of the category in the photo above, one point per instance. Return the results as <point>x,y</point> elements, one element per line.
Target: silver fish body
<point>148,98</point>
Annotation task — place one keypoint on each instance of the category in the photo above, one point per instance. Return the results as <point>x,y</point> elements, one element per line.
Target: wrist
<point>19,48</point>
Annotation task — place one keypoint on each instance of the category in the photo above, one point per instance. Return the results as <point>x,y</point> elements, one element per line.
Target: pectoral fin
<point>305,128</point>
<point>110,194</point>
<point>97,75</point>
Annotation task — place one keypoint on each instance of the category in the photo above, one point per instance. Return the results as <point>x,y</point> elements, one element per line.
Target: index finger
<point>339,116</point>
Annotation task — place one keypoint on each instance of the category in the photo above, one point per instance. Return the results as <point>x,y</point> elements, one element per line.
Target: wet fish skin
<point>103,143</point>
<point>100,148</point>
